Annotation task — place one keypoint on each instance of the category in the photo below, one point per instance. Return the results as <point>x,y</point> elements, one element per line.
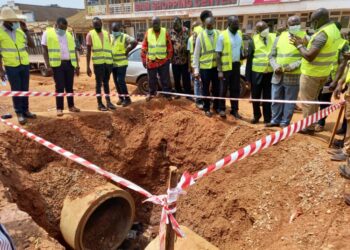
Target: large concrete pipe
<point>99,220</point>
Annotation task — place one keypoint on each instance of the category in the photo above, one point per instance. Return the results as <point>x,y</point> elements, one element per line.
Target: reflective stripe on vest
<point>54,49</point>
<point>321,66</point>
<point>119,50</point>
<point>13,53</point>
<point>101,53</point>
<point>190,40</point>
<point>226,58</point>
<point>261,62</point>
<point>208,54</point>
<point>287,53</point>
<point>157,48</point>
<point>342,42</point>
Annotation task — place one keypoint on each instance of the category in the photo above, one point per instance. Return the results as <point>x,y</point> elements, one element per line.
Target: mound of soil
<point>246,206</point>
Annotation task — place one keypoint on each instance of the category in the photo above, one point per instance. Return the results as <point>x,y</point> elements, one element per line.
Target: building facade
<point>136,14</point>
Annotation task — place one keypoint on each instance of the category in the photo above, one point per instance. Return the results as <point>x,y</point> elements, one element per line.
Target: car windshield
<point>135,56</point>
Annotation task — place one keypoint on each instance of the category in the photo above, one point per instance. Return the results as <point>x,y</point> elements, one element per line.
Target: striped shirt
<point>5,240</point>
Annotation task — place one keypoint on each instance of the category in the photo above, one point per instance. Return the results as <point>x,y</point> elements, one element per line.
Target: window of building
<point>345,21</point>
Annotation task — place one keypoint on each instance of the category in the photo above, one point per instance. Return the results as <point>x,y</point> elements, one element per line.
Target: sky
<point>62,3</point>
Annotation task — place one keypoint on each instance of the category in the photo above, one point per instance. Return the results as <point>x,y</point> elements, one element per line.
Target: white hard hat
<point>8,14</point>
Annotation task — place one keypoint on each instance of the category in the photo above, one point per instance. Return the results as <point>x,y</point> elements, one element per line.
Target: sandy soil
<point>246,206</point>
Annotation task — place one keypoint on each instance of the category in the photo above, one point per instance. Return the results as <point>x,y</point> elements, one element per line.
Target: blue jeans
<point>282,113</point>
<point>119,81</point>
<point>19,81</point>
<point>197,89</point>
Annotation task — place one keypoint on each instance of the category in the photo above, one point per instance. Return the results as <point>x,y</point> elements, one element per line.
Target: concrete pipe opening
<point>99,220</point>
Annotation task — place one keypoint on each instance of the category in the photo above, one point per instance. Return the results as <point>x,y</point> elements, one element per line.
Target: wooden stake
<point>170,234</point>
<point>336,126</point>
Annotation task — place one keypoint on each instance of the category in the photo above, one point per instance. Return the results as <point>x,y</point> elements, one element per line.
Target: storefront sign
<point>266,1</point>
<point>179,4</point>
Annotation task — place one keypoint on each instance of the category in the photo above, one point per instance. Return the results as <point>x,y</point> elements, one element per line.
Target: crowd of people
<point>285,65</point>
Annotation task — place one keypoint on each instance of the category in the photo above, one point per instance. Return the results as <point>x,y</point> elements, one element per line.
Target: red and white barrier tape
<point>48,94</point>
<point>259,145</point>
<point>163,200</point>
<point>45,94</point>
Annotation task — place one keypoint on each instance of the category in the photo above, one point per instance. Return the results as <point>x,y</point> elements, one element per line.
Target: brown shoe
<point>347,199</point>
<point>59,112</point>
<point>74,109</point>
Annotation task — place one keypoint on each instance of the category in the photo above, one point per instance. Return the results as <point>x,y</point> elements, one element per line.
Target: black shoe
<point>283,125</point>
<point>6,116</point>
<point>111,106</point>
<point>341,131</point>
<point>216,111</point>
<point>21,119</point>
<point>222,114</point>
<point>255,120</point>
<point>120,101</point>
<point>102,107</point>
<point>307,131</point>
<point>208,113</point>
<point>168,97</point>
<point>270,125</point>
<point>177,97</point>
<point>200,106</point>
<point>126,102</point>
<point>338,143</point>
<point>236,115</point>
<point>29,115</point>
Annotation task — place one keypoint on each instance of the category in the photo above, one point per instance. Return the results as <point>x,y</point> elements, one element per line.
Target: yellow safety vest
<point>101,53</point>
<point>119,50</point>
<point>347,79</point>
<point>226,58</point>
<point>13,53</point>
<point>287,53</point>
<point>54,48</point>
<point>208,54</point>
<point>342,42</point>
<point>190,40</point>
<point>322,65</point>
<point>156,47</point>
<point>261,62</point>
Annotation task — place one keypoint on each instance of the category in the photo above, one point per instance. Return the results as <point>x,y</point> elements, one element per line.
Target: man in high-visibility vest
<point>156,53</point>
<point>14,38</point>
<point>98,42</point>
<point>259,71</point>
<point>229,50</point>
<point>62,60</point>
<point>317,62</point>
<point>326,94</point>
<point>196,30</point>
<point>122,44</point>
<point>344,170</point>
<point>285,60</point>
<point>205,65</point>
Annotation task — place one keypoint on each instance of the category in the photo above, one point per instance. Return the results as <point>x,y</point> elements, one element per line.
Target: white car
<point>137,74</point>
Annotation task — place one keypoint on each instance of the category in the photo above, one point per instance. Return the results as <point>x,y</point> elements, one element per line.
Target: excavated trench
<point>138,143</point>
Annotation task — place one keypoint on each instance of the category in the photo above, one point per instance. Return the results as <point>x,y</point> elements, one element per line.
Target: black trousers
<point>180,72</point>
<point>64,80</point>
<point>210,76</point>
<point>102,76</point>
<point>232,83</point>
<point>261,87</point>
<point>164,76</point>
<point>324,98</point>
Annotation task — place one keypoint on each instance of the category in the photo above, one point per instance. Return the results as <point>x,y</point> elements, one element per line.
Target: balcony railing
<point>122,8</point>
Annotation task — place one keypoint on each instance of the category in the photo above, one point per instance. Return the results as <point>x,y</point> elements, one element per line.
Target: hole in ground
<point>139,143</point>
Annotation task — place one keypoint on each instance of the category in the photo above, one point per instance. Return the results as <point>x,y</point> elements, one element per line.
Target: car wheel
<point>142,85</point>
<point>44,72</point>
<point>243,88</point>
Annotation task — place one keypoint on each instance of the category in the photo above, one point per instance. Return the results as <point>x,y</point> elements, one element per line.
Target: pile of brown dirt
<point>246,206</point>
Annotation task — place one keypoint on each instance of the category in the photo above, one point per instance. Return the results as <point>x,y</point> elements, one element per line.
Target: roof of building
<point>79,23</point>
<point>47,13</point>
